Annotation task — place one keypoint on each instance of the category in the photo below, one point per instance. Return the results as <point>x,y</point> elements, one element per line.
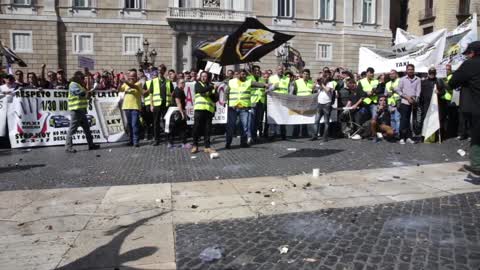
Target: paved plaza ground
<point>374,206</point>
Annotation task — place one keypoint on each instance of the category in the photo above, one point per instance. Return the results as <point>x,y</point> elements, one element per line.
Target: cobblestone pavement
<point>433,234</point>
<point>117,164</point>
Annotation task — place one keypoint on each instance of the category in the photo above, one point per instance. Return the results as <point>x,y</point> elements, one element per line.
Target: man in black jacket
<point>467,77</point>
<point>428,86</point>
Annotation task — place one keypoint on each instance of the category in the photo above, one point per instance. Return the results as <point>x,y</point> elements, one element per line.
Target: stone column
<point>189,51</point>
<point>348,13</point>
<point>174,51</point>
<point>385,15</point>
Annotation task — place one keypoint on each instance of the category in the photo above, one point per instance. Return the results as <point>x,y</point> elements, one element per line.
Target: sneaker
<point>209,150</point>
<point>471,170</point>
<point>94,147</point>
<point>462,138</point>
<point>249,141</point>
<point>379,135</point>
<point>356,137</point>
<point>402,141</point>
<point>194,150</point>
<point>70,150</point>
<point>410,141</point>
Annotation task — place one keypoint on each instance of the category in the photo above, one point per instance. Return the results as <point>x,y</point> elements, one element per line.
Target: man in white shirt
<point>325,87</point>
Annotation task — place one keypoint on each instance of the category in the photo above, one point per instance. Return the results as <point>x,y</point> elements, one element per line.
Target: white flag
<point>432,120</point>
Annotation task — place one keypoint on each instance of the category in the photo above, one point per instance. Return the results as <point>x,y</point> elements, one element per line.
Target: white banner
<point>41,118</point>
<point>291,110</point>
<point>455,43</point>
<point>432,120</point>
<point>3,116</point>
<point>423,52</point>
<point>220,112</point>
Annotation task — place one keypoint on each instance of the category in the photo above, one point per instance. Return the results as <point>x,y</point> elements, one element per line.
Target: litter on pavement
<point>211,254</point>
<point>461,152</point>
<point>283,249</point>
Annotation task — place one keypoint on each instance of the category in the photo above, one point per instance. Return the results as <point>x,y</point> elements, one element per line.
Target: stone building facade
<point>59,32</point>
<point>426,16</point>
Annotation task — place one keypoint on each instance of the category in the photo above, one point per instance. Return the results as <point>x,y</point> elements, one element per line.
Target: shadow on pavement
<point>473,180</point>
<point>20,168</point>
<point>108,255</point>
<point>312,153</point>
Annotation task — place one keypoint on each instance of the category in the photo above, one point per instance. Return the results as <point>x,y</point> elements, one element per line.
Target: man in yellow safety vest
<point>280,83</point>
<point>303,87</point>
<point>147,113</point>
<point>160,90</point>
<point>393,100</point>
<point>77,105</point>
<point>258,103</point>
<point>239,93</point>
<point>370,86</point>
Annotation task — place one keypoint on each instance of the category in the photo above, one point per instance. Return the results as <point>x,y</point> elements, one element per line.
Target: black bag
<point>176,117</point>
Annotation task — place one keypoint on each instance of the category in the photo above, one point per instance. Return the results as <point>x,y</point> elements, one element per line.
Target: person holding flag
<point>240,106</point>
<point>467,77</point>
<point>258,103</point>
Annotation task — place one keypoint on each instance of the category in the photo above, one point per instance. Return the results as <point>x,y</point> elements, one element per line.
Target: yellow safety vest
<point>148,98</point>
<point>392,101</point>
<point>258,94</point>
<point>283,84</point>
<point>203,103</point>
<point>240,93</point>
<point>449,92</point>
<point>77,102</point>
<point>368,87</point>
<point>304,88</point>
<point>157,96</point>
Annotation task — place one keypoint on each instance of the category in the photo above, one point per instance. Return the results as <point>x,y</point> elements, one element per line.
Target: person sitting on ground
<point>358,113</point>
<point>380,124</point>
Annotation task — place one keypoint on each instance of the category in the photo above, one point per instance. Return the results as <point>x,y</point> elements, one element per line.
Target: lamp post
<point>146,58</point>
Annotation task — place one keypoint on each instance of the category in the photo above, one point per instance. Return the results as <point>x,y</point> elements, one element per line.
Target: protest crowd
<point>378,107</point>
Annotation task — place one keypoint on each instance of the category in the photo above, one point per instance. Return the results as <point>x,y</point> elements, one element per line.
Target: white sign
<point>3,116</point>
<point>423,52</point>
<point>291,110</point>
<point>220,116</point>
<point>41,118</point>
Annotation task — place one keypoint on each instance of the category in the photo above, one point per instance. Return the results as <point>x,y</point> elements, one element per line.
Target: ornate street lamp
<point>146,58</point>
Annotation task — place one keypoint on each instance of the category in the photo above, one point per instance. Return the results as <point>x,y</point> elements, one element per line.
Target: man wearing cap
<point>467,77</point>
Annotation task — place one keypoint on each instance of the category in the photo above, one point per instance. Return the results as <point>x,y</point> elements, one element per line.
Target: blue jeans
<point>395,119</point>
<point>373,110</point>
<point>133,117</point>
<point>245,116</point>
<point>256,119</point>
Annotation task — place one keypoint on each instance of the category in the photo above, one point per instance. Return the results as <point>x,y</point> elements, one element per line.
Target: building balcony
<point>206,14</point>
